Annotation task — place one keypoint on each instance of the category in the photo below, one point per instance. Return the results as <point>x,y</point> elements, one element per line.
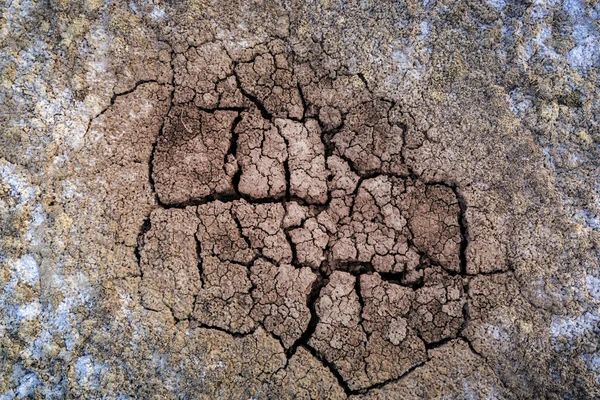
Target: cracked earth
<point>312,200</point>
<point>284,203</point>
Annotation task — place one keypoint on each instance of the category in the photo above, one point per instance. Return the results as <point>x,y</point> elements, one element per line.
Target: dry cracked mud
<point>284,204</point>
<point>257,200</point>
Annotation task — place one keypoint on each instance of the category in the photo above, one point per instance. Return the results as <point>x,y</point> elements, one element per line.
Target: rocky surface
<point>299,200</point>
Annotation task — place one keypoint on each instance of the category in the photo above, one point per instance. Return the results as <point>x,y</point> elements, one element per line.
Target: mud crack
<point>283,202</point>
